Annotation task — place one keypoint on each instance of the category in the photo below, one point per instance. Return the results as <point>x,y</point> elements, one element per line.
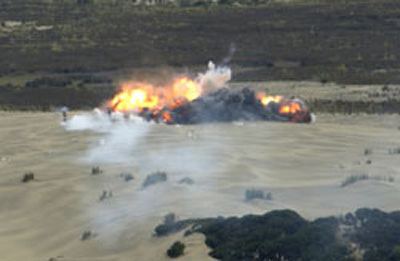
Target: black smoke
<point>227,105</point>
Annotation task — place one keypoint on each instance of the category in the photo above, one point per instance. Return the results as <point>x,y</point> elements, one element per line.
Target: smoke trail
<point>232,50</point>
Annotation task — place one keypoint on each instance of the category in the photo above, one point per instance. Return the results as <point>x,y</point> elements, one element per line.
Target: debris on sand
<point>29,176</point>
<point>155,178</point>
<point>251,194</point>
<point>126,176</point>
<point>176,250</point>
<point>105,195</point>
<point>96,170</point>
<point>186,180</point>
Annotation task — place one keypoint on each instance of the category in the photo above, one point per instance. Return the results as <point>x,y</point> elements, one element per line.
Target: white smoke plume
<point>96,121</point>
<point>214,78</point>
<point>232,50</point>
<point>120,135</point>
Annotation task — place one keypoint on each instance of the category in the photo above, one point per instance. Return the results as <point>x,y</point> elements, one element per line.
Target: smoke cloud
<point>96,121</point>
<point>120,135</point>
<point>214,78</point>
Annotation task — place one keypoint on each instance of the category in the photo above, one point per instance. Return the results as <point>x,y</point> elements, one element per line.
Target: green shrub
<point>155,178</point>
<point>177,249</point>
<point>29,176</point>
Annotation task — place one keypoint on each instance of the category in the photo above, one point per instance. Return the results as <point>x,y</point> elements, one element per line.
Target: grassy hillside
<point>347,42</point>
<point>341,41</point>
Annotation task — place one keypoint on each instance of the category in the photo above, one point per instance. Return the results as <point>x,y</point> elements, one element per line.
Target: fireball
<point>290,108</point>
<point>167,103</point>
<point>186,88</point>
<point>287,107</point>
<point>266,99</point>
<point>137,96</point>
<point>134,97</point>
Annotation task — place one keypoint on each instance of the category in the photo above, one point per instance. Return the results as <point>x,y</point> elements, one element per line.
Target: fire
<point>166,117</point>
<point>137,96</point>
<point>167,103</point>
<point>266,99</point>
<point>134,97</point>
<point>290,108</point>
<point>186,88</point>
<point>287,107</point>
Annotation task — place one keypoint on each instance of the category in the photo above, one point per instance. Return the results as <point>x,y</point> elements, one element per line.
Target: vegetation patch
<point>284,235</point>
<point>96,170</point>
<point>344,41</point>
<point>105,195</point>
<point>251,194</point>
<point>394,151</point>
<point>176,250</point>
<point>87,235</point>
<point>186,180</point>
<point>357,178</point>
<point>170,225</point>
<point>154,178</point>
<point>127,176</point>
<point>29,176</point>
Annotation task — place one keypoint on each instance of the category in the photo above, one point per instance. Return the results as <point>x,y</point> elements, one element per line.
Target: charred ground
<point>87,47</point>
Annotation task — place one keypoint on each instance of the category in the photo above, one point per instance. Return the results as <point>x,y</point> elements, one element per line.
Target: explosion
<point>138,96</point>
<point>266,99</point>
<point>190,101</point>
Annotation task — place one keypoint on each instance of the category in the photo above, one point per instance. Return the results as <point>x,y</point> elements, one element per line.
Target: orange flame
<point>286,106</point>
<point>136,96</point>
<point>160,101</point>
<point>186,88</point>
<point>290,107</point>
<point>166,117</point>
<point>267,99</point>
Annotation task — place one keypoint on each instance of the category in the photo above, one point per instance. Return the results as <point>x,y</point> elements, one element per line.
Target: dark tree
<point>177,249</point>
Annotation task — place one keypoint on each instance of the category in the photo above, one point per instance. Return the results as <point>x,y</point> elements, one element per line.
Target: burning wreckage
<point>204,99</point>
<point>225,105</point>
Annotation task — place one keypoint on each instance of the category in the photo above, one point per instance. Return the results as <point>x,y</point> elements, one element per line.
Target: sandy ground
<point>302,165</point>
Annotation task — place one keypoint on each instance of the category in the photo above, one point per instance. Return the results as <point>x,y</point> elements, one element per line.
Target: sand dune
<point>302,165</point>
